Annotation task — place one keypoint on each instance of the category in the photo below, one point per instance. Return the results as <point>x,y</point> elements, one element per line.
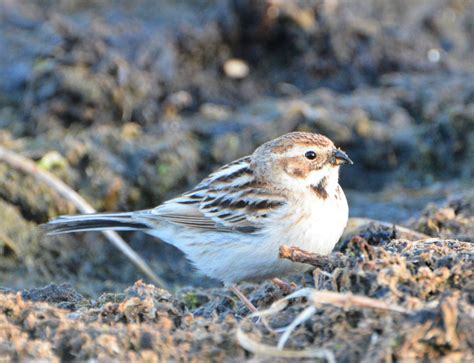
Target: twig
<point>301,318</point>
<point>347,300</point>
<point>27,166</point>
<point>316,298</point>
<point>341,300</point>
<point>295,254</point>
<point>263,349</point>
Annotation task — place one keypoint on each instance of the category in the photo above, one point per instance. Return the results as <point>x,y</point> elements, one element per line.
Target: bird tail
<point>95,222</point>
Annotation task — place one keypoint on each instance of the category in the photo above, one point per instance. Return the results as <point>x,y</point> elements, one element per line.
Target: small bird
<point>231,225</point>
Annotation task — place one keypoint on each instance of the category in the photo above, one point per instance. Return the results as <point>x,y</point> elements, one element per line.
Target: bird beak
<point>339,157</point>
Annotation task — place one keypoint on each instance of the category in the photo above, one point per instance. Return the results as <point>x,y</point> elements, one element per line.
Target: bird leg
<point>244,299</point>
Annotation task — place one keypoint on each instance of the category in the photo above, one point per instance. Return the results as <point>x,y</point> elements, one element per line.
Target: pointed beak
<point>339,157</point>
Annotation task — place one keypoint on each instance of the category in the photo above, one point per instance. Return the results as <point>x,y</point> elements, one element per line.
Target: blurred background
<point>131,103</point>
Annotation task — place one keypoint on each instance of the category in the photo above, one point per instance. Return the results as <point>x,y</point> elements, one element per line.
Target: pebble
<point>236,68</point>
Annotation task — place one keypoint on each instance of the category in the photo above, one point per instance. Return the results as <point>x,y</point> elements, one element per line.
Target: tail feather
<point>95,222</point>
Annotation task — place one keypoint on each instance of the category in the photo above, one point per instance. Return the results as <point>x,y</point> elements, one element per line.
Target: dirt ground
<point>132,103</point>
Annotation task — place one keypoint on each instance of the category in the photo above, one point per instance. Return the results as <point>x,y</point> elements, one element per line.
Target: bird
<point>232,224</point>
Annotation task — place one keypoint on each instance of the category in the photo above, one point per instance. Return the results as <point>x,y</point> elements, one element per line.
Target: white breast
<point>318,223</point>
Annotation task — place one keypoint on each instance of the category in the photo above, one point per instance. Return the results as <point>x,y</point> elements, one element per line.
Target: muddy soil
<point>130,104</point>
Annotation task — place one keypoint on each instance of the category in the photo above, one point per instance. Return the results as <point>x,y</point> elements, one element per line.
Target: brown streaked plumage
<point>232,223</point>
<point>285,142</point>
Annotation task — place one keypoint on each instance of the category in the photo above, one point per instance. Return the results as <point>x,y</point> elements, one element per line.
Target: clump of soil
<point>453,220</point>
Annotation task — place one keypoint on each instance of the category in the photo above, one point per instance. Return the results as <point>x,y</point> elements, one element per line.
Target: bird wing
<point>229,200</point>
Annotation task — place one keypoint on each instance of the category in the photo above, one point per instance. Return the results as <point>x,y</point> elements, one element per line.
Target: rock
<point>236,68</point>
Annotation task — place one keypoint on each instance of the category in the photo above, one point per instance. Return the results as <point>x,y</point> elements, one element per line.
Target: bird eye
<point>311,155</point>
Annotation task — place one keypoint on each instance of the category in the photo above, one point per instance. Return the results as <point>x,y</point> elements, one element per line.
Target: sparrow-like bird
<point>232,223</point>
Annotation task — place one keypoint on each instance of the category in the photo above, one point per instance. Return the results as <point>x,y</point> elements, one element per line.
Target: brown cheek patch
<point>294,167</point>
<point>298,173</point>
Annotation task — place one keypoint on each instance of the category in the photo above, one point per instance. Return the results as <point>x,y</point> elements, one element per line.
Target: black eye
<point>311,155</point>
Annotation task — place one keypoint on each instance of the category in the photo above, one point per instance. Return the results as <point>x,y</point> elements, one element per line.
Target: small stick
<point>267,350</point>
<point>244,299</point>
<point>342,300</point>
<point>347,301</point>
<point>295,254</point>
<point>27,166</point>
<point>315,299</point>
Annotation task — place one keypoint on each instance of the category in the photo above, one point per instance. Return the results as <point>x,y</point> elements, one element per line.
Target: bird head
<point>299,160</point>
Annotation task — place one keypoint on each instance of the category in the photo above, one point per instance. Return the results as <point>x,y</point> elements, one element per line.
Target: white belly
<point>315,226</point>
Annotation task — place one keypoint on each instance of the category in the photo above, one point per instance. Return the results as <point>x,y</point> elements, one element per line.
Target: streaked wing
<point>228,200</point>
